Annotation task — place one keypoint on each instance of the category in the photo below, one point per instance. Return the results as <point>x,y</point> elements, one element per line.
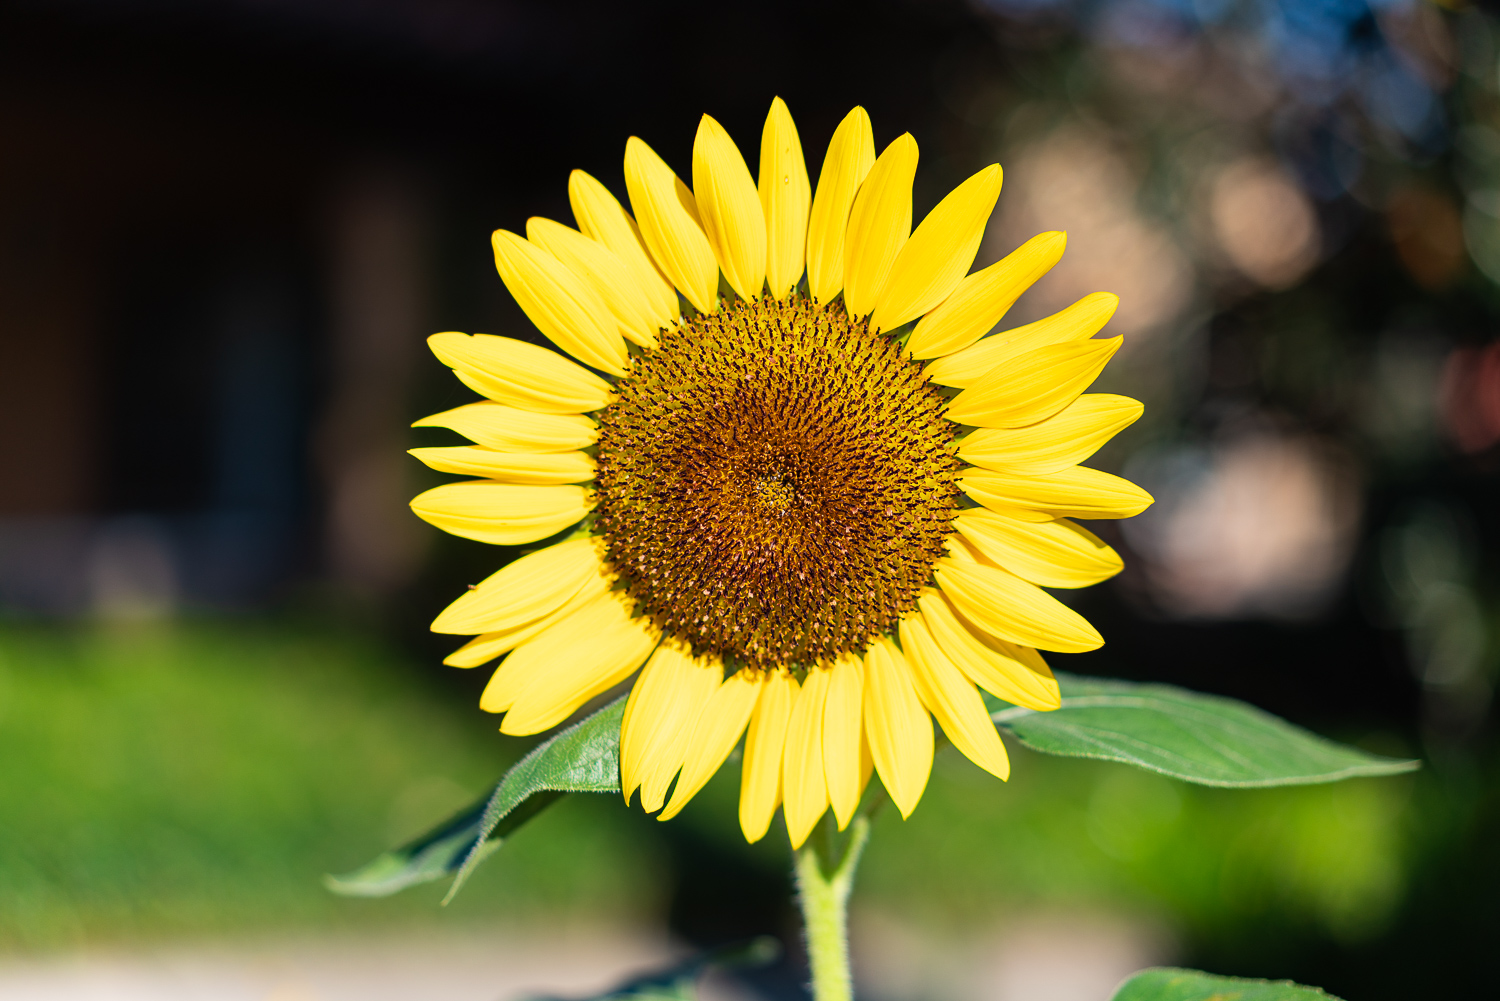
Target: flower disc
<point>775,483</point>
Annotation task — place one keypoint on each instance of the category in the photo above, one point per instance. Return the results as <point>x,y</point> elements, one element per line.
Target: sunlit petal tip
<point>765,742</point>
<point>562,304</point>
<point>1013,609</point>
<point>1062,440</point>
<point>580,657</point>
<point>879,224</point>
<point>729,208</point>
<point>527,588</point>
<point>602,218</point>
<point>1080,321</point>
<point>717,730</point>
<point>785,198</point>
<point>898,729</point>
<point>680,705</point>
<point>502,514</point>
<point>842,731</point>
<point>667,214</point>
<point>1017,674</point>
<point>804,784</point>
<point>511,429</point>
<point>1074,492</point>
<point>651,718</point>
<point>983,298</point>
<point>851,154</point>
<point>604,271</point>
<point>537,468</point>
<point>521,375</point>
<point>1035,385</point>
<point>1058,553</point>
<point>952,698</point>
<point>935,259</point>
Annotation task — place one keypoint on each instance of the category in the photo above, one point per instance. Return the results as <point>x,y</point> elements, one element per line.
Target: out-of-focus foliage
<point>197,779</point>
<point>1191,985</point>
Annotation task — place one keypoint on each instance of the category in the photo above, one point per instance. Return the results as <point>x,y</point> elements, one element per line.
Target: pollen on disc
<point>775,483</point>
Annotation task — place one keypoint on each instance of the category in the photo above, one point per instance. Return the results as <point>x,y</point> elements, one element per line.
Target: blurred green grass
<point>199,778</point>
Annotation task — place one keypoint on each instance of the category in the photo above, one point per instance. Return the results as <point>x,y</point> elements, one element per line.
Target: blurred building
<point>193,288</point>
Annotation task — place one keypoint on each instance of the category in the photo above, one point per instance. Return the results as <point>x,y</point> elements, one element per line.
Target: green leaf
<point>679,982</point>
<point>583,758</point>
<point>1167,984</point>
<point>1198,738</point>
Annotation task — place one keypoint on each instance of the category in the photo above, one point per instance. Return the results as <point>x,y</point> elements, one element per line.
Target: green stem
<point>825,875</point>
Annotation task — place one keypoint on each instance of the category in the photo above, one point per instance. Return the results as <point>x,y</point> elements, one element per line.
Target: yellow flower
<point>771,478</point>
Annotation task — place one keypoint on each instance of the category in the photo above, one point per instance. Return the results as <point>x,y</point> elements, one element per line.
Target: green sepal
<point>583,758</point>
<point>1198,738</point>
<point>1168,984</point>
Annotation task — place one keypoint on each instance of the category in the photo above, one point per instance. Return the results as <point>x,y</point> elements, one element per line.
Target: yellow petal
<point>718,729</point>
<point>528,588</point>
<point>564,306</point>
<point>804,787</point>
<point>897,727</point>
<point>842,735</point>
<point>1078,322</point>
<point>1057,553</point>
<point>487,646</point>
<point>879,223</point>
<point>509,467</point>
<point>534,658</point>
<point>637,728</point>
<point>952,698</point>
<point>664,759</point>
<point>866,762</point>
<point>521,375</point>
<point>851,154</point>
<point>1064,439</point>
<point>729,208</point>
<point>507,429</point>
<point>1034,386</point>
<point>1014,673</point>
<point>1006,606</point>
<point>604,272</point>
<point>983,298</point>
<point>665,703</point>
<point>586,654</point>
<point>784,199</point>
<point>601,217</point>
<point>765,741</point>
<point>939,253</point>
<point>480,650</point>
<point>1075,492</point>
<point>668,217</point>
<point>502,514</point>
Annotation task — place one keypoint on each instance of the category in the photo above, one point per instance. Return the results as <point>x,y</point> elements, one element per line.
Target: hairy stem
<point>825,875</point>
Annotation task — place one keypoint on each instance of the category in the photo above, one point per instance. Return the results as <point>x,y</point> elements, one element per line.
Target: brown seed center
<point>775,483</point>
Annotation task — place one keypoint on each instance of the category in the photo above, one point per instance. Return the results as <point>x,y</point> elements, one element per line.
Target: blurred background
<point>226,227</point>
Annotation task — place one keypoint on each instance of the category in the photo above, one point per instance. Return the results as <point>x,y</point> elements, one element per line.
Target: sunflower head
<point>815,511</point>
<point>752,494</point>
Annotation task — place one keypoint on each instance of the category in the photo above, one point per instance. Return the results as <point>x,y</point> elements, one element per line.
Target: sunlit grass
<point>199,779</point>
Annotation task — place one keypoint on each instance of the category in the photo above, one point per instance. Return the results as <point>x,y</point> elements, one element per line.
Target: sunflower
<point>809,500</point>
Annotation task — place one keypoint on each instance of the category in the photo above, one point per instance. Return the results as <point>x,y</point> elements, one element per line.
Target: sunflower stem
<point>825,875</point>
